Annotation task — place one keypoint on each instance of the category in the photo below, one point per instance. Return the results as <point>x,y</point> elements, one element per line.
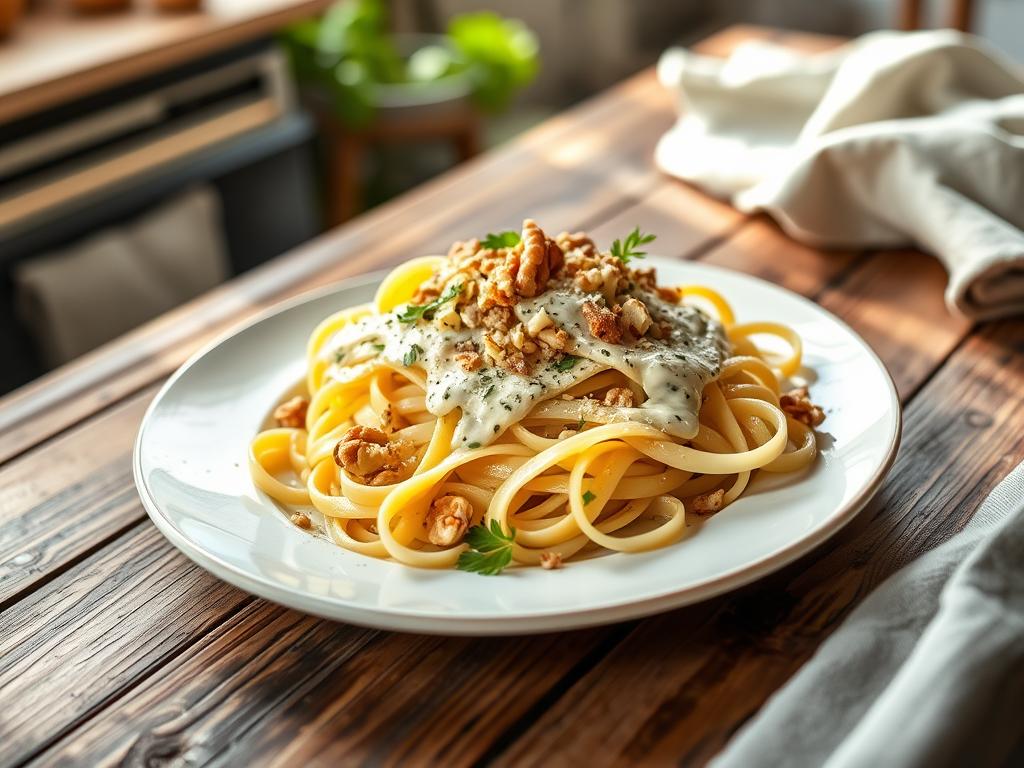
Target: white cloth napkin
<point>895,139</point>
<point>927,672</point>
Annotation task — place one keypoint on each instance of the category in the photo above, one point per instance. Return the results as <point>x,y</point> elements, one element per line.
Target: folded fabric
<point>74,300</point>
<point>927,671</point>
<point>895,139</point>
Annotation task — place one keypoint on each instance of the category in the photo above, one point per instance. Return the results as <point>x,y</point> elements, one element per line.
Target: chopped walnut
<point>565,434</point>
<point>555,339</point>
<point>389,420</point>
<point>470,316</point>
<point>534,263</point>
<point>671,295</point>
<point>292,413</point>
<point>646,278</point>
<point>366,453</point>
<point>797,403</point>
<point>470,361</point>
<point>707,503</point>
<point>301,520</point>
<point>550,561</point>
<point>634,318</point>
<point>619,397</point>
<point>539,322</point>
<point>498,319</point>
<point>448,520</point>
<point>576,241</point>
<point>602,323</point>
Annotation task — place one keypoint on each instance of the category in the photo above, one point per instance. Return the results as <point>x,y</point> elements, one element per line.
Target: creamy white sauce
<point>672,373</point>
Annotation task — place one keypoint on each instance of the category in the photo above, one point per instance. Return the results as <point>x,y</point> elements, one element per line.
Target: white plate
<point>190,468</point>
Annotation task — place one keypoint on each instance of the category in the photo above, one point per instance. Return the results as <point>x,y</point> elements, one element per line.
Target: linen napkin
<point>927,671</point>
<point>895,139</point>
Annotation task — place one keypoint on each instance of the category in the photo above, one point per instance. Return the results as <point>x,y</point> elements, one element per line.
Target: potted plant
<point>348,60</point>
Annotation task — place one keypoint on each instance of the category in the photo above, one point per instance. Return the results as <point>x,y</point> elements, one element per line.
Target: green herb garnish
<point>412,355</point>
<point>588,497</point>
<point>490,551</point>
<point>414,312</point>
<point>566,363</point>
<point>379,347</point>
<point>474,444</point>
<point>580,424</point>
<point>487,392</point>
<point>507,239</point>
<point>624,250</point>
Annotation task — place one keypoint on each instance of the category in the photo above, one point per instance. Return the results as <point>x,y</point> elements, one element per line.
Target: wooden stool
<point>347,147</point>
<point>960,15</point>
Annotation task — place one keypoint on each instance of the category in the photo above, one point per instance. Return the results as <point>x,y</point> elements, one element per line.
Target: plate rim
<point>425,622</point>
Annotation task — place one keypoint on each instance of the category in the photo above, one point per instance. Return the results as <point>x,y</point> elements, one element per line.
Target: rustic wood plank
<point>569,170</point>
<point>276,676</point>
<point>870,301</point>
<point>689,697</point>
<point>331,706</point>
<point>95,630</point>
<point>685,220</point>
<point>66,497</point>
<point>83,519</point>
<point>302,689</point>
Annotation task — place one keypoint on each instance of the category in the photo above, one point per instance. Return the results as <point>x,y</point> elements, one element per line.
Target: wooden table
<point>114,646</point>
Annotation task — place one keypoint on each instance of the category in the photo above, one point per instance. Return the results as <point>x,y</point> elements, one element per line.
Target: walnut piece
<point>619,397</point>
<point>539,322</point>
<point>797,403</point>
<point>634,319</point>
<point>470,361</point>
<point>292,413</point>
<point>602,323</point>
<point>576,241</point>
<point>707,503</point>
<point>534,266</point>
<point>448,520</point>
<point>301,520</point>
<point>550,561</point>
<point>367,454</point>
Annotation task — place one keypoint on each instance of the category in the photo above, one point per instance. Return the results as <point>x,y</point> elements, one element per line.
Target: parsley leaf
<point>487,392</point>
<point>412,355</point>
<point>474,444</point>
<point>490,551</point>
<point>579,424</point>
<point>414,312</point>
<point>588,497</point>
<point>379,347</point>
<point>566,363</point>
<point>507,239</point>
<point>624,250</point>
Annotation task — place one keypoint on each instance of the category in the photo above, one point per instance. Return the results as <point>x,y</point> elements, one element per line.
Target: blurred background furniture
<point>959,16</point>
<point>105,119</point>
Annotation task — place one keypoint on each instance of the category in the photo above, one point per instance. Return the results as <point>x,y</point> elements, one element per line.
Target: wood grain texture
<point>504,673</point>
<point>695,681</point>
<point>115,649</point>
<point>95,630</point>
<point>67,496</point>
<point>440,691</point>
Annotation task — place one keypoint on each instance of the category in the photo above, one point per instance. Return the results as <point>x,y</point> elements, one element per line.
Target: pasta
<point>532,400</point>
